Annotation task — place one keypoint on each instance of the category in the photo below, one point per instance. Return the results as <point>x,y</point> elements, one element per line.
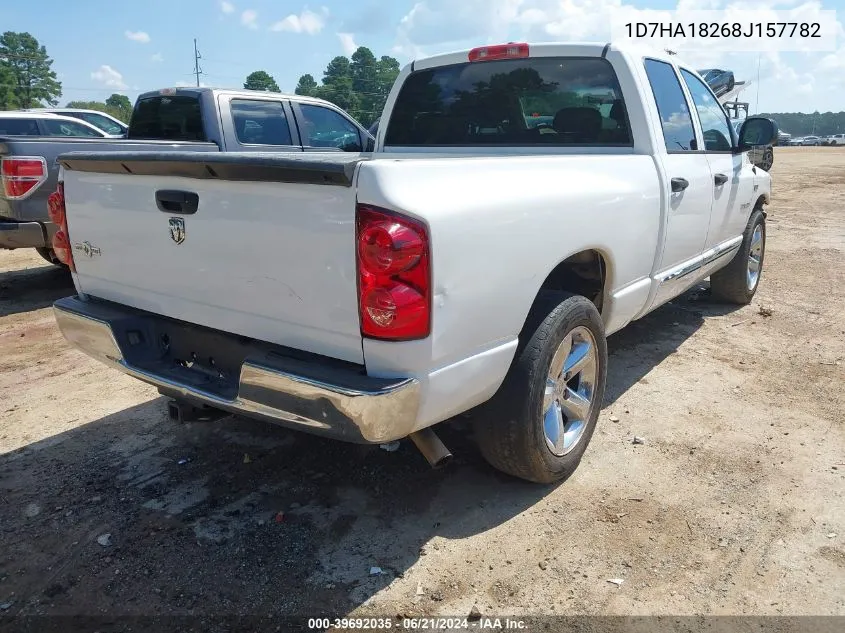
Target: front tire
<point>768,159</point>
<point>738,281</point>
<point>541,420</point>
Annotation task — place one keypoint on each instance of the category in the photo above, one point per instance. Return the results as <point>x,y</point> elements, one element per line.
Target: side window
<point>260,122</point>
<point>19,127</point>
<point>714,121</point>
<point>322,127</point>
<point>104,123</point>
<point>59,127</point>
<point>678,132</point>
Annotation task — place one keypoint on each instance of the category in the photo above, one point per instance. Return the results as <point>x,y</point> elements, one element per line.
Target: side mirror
<point>757,131</point>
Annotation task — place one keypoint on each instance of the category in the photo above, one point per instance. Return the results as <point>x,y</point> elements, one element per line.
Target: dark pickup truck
<point>172,119</point>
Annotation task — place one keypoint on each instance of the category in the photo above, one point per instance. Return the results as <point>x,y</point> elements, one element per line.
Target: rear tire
<point>738,281</point>
<point>539,423</point>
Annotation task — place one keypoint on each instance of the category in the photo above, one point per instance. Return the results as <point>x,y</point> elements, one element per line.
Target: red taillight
<point>56,206</point>
<point>500,51</point>
<point>57,212</point>
<point>394,275</point>
<point>22,175</point>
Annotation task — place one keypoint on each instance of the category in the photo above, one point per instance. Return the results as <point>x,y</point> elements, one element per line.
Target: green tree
<point>8,100</point>
<point>337,85</point>
<point>261,80</point>
<point>364,71</point>
<point>386,73</point>
<point>121,105</point>
<point>360,85</point>
<point>306,86</point>
<point>27,64</point>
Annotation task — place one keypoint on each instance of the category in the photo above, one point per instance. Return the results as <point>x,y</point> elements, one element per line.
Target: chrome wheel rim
<point>755,257</point>
<point>570,386</point>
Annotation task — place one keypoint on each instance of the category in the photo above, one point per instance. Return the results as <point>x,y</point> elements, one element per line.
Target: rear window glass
<point>18,127</point>
<point>260,122</point>
<point>539,101</point>
<point>172,118</point>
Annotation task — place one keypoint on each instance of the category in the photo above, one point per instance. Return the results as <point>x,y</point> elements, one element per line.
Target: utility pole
<point>197,58</point>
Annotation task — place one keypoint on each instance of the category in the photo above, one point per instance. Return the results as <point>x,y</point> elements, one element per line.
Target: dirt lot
<point>734,504</point>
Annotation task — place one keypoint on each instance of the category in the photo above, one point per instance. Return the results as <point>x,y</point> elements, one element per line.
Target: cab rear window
<point>167,117</point>
<point>528,101</point>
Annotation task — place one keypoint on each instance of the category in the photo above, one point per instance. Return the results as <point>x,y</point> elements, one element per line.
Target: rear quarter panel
<point>499,226</point>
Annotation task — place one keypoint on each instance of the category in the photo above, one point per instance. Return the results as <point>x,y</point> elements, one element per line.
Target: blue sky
<point>100,47</point>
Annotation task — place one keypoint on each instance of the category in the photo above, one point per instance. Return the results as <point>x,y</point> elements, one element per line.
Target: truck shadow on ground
<point>242,517</point>
<point>33,288</point>
<point>643,344</point>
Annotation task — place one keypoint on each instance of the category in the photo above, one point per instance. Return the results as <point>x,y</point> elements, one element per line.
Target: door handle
<point>170,201</point>
<point>679,184</point>
<point>720,179</point>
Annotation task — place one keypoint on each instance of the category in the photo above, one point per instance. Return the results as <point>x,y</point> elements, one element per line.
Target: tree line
<point>804,124</point>
<point>359,84</point>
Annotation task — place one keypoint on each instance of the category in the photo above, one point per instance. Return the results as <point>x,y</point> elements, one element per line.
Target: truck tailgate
<point>259,245</point>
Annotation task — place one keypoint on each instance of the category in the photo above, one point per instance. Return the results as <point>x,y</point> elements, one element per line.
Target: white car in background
<point>836,139</point>
<point>109,125</point>
<point>36,123</point>
<point>811,140</point>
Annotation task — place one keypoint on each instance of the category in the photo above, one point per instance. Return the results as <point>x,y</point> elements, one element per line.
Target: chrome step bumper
<point>339,402</point>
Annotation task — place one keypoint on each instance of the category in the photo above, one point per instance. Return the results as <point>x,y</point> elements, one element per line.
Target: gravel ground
<point>733,505</point>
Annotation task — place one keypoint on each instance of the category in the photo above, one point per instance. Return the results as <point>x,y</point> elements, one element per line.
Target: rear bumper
<point>25,234</point>
<point>305,392</point>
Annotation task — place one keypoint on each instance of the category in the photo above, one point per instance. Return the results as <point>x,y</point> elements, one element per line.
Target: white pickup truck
<point>522,203</point>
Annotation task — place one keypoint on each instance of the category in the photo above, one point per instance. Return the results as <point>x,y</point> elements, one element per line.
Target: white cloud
<point>347,43</point>
<point>789,81</point>
<point>227,7</point>
<point>306,22</point>
<point>108,76</point>
<point>137,36</point>
<point>158,57</point>
<point>249,17</point>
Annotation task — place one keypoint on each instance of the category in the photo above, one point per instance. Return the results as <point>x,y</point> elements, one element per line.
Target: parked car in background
<point>784,138</point>
<point>105,122</point>
<point>21,123</point>
<point>720,81</point>
<point>811,140</point>
<point>247,121</point>
<point>174,119</point>
<point>367,297</point>
<point>834,139</point>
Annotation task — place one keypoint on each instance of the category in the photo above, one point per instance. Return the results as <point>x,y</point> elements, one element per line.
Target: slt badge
<point>86,249</point>
<point>177,230</point>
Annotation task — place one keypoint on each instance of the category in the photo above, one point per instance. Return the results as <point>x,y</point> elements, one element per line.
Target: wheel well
<point>582,274</point>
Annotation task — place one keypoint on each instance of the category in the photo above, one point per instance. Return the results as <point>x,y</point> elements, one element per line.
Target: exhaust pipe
<point>431,447</point>
<point>181,412</point>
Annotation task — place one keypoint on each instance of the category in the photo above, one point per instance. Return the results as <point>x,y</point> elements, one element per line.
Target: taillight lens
<point>22,175</point>
<point>58,215</point>
<point>394,275</point>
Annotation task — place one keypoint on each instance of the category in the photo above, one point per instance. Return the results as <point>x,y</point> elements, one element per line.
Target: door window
<point>59,127</point>
<point>675,118</point>
<point>322,127</point>
<point>260,122</point>
<point>714,121</point>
